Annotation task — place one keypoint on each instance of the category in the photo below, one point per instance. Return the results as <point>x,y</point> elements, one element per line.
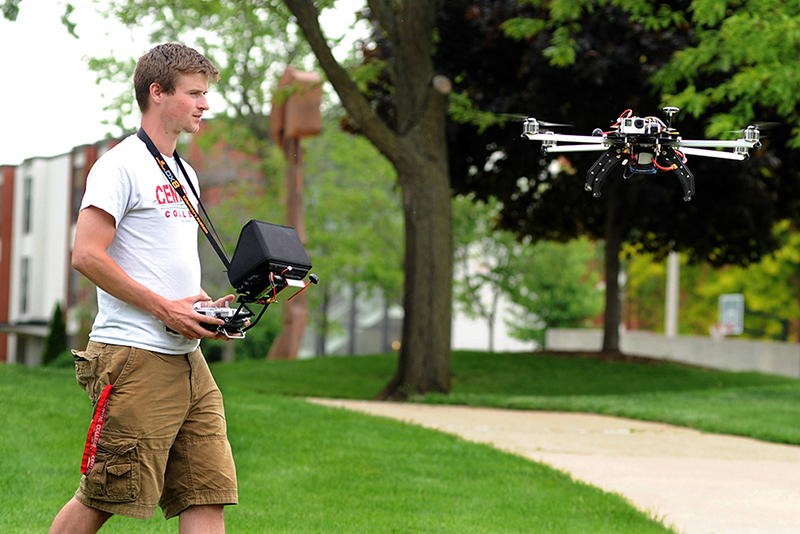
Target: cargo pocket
<point>115,474</point>
<point>85,363</point>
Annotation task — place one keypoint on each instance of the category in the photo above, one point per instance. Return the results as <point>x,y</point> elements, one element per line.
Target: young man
<point>158,436</point>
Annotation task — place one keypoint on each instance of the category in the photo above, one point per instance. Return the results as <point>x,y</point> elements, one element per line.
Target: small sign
<point>731,313</point>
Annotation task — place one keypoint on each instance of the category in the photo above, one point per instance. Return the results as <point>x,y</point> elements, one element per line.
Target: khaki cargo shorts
<point>158,435</point>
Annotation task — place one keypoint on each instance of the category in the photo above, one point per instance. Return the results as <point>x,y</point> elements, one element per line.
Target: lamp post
<point>673,295</point>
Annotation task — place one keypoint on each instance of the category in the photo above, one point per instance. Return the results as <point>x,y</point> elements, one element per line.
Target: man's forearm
<point>104,272</point>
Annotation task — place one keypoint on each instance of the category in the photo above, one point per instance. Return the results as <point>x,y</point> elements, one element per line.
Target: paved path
<point>696,482</point>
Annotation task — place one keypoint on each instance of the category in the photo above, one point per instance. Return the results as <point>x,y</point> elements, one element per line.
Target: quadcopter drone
<point>644,145</point>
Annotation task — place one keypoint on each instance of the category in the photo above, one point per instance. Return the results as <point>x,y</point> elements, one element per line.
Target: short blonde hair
<point>163,64</point>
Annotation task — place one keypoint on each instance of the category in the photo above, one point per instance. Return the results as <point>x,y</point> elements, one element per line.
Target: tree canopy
<point>583,63</point>
<point>10,9</point>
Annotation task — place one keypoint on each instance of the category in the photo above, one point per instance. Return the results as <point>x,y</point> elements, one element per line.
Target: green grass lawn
<point>312,469</point>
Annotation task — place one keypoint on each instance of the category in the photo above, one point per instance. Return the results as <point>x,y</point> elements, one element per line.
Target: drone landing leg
<point>685,176</point>
<point>599,171</point>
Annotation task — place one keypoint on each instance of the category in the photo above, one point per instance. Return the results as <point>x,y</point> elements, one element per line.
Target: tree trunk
<point>322,330</point>
<point>491,318</point>
<point>228,352</point>
<point>613,245</point>
<point>424,361</point>
<point>352,332</point>
<point>386,341</point>
<point>288,343</point>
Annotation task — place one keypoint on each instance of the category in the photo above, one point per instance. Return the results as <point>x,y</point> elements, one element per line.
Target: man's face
<point>183,109</point>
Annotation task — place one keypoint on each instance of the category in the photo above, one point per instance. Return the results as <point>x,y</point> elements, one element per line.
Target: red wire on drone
<point>274,289</point>
<point>659,167</point>
<point>301,290</point>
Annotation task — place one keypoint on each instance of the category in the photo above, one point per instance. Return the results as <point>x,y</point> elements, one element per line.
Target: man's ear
<point>156,91</point>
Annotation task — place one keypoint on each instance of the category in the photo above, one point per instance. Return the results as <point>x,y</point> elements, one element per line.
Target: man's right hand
<point>181,317</point>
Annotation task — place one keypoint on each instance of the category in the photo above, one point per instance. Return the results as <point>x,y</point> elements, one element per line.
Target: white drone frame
<point>646,138</point>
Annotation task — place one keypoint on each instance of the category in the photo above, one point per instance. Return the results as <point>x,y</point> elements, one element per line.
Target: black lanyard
<point>176,185</point>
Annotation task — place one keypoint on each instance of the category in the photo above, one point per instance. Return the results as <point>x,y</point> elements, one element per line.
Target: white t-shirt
<point>155,243</point>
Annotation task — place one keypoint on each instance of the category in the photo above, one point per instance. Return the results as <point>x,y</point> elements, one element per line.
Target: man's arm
<point>94,232</point>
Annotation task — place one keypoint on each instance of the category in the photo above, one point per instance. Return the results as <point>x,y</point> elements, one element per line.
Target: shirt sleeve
<point>109,188</point>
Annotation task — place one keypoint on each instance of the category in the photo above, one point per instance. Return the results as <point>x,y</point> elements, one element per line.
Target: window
<point>27,205</point>
<point>78,175</point>
<point>24,285</point>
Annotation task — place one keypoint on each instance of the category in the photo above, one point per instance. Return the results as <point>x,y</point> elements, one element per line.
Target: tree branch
<point>412,60</point>
<point>356,104</point>
<point>385,15</point>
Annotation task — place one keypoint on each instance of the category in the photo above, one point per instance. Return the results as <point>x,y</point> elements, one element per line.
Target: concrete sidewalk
<point>696,482</point>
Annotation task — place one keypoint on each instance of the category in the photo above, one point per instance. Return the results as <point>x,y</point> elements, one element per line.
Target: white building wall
<point>727,354</point>
<point>42,245</point>
<point>473,334</point>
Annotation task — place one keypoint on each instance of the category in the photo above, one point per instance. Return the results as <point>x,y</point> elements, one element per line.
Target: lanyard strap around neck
<point>176,185</point>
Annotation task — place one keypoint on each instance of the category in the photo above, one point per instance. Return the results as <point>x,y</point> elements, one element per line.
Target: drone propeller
<point>522,118</point>
<point>763,128</point>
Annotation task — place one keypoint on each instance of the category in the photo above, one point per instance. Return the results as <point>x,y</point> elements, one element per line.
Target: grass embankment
<point>305,468</point>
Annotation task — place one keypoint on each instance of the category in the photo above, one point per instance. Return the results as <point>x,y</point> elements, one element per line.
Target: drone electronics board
<point>643,145</point>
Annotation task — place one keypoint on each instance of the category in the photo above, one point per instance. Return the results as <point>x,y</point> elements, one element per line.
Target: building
<point>39,202</point>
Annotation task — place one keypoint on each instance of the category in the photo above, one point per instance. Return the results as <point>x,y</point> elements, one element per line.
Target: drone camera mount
<point>639,126</point>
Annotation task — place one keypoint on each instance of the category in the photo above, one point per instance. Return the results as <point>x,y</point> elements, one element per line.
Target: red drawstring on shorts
<point>90,452</point>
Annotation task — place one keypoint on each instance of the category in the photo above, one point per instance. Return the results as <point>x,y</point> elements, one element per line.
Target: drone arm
<point>550,136</point>
<point>575,148</point>
<point>708,143</point>
<point>721,154</point>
